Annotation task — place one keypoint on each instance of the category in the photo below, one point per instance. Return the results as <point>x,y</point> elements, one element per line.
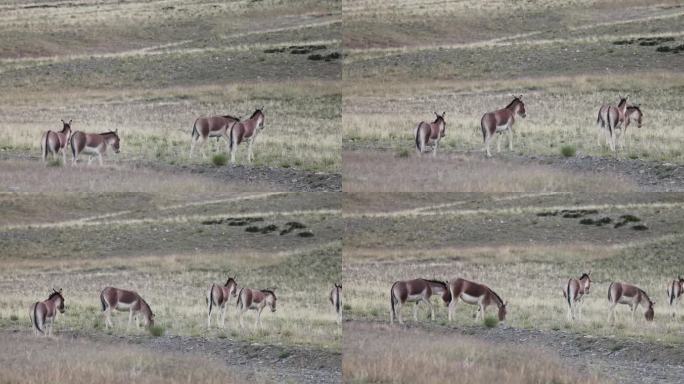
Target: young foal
<point>257,300</point>
<point>93,144</point>
<point>415,291</point>
<point>219,296</point>
<point>623,293</point>
<point>430,132</point>
<point>336,301</point>
<point>215,126</point>
<point>247,129</point>
<point>43,311</point>
<point>674,294</point>
<point>53,142</point>
<point>475,294</point>
<point>501,121</point>
<point>123,300</point>
<point>574,293</point>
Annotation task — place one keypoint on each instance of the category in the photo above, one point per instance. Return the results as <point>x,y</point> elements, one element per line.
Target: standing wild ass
<point>214,126</point>
<point>628,294</point>
<point>255,299</point>
<point>43,311</point>
<point>415,291</point>
<point>610,120</point>
<point>336,301</point>
<point>246,130</point>
<point>123,300</point>
<point>475,294</point>
<point>574,293</point>
<point>674,294</point>
<point>430,132</point>
<point>501,121</point>
<point>219,296</point>
<point>94,144</point>
<point>54,142</point>
<point>632,113</point>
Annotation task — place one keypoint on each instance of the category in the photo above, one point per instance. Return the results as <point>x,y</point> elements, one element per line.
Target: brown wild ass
<point>94,144</point>
<point>574,293</point>
<point>614,118</point>
<point>336,301</point>
<point>501,121</point>
<point>475,294</point>
<point>219,295</point>
<point>123,300</point>
<point>43,311</point>
<point>632,113</point>
<point>214,126</point>
<point>674,294</point>
<point>54,142</point>
<point>416,291</point>
<point>246,130</point>
<point>628,294</point>
<point>430,133</point>
<point>255,299</point>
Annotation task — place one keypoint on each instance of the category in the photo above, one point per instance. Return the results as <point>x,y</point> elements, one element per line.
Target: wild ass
<point>674,294</point>
<point>43,311</point>
<point>123,300</point>
<point>501,121</point>
<point>214,126</point>
<point>94,144</point>
<point>623,293</point>
<point>336,301</point>
<point>246,130</point>
<point>430,132</point>
<point>610,120</point>
<point>574,293</point>
<point>475,294</point>
<point>632,113</point>
<point>416,291</point>
<point>219,295</point>
<point>255,299</point>
<point>54,142</point>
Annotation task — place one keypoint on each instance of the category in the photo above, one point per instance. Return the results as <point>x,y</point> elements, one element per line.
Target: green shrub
<point>54,163</point>
<point>157,330</point>
<point>491,321</point>
<point>219,159</point>
<point>568,150</point>
<point>403,153</point>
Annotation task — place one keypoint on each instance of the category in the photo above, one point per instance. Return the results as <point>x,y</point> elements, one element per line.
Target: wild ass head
<point>585,281</point>
<point>231,284</point>
<point>502,311</point>
<point>270,298</point>
<point>259,116</point>
<point>649,314</point>
<point>517,106</point>
<point>112,138</point>
<point>623,102</point>
<point>439,119</point>
<point>58,299</point>
<point>635,113</point>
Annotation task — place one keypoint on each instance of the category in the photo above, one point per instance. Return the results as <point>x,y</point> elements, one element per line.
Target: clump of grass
<point>54,163</point>
<point>568,150</point>
<point>491,321</point>
<point>347,307</point>
<point>14,317</point>
<point>403,153</point>
<point>284,354</point>
<point>157,330</point>
<point>219,159</point>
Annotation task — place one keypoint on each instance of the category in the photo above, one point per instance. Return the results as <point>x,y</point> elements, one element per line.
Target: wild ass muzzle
<point>628,294</point>
<point>427,133</point>
<point>54,142</point>
<point>574,294</point>
<point>674,294</point>
<point>214,126</point>
<point>246,130</point>
<point>94,144</point>
<point>416,291</point>
<point>475,294</point>
<point>501,121</point>
<point>44,313</point>
<point>123,300</point>
<point>257,300</point>
<point>219,296</point>
<point>336,301</point>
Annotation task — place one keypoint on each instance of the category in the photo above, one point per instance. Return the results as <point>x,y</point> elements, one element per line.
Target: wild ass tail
<point>418,137</point>
<point>45,147</point>
<point>568,297</point>
<point>35,318</point>
<point>194,130</point>
<point>239,300</point>
<point>610,288</point>
<point>392,299</point>
<point>102,301</point>
<point>337,304</point>
<point>73,148</point>
<point>672,292</point>
<point>484,130</point>
<point>211,297</point>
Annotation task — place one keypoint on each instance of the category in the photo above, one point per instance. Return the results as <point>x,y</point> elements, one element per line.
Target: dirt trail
<point>620,360</point>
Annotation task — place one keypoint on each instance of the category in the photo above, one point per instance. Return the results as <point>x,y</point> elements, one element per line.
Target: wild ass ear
<point>70,120</point>
<point>520,97</point>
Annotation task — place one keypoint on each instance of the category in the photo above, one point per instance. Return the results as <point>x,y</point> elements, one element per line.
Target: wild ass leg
<point>415,311</point>
<point>250,154</point>
<point>209,309</point>
<point>498,142</point>
<point>223,316</point>
<point>99,157</point>
<point>452,307</point>
<point>130,318</point>
<point>257,321</point>
<point>510,138</point>
<point>611,314</point>
<point>434,151</point>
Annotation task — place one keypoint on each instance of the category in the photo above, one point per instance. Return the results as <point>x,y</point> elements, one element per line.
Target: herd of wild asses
<point>421,290</point>
<point>43,313</point>
<point>612,121</point>
<point>232,129</point>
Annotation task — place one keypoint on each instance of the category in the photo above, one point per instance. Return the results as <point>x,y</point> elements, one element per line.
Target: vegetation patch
<point>305,234</point>
<point>329,57</point>
<point>233,221</point>
<point>291,226</point>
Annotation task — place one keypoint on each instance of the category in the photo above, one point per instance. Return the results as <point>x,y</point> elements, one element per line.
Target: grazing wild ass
<point>215,126</point>
<point>255,299</point>
<point>94,144</point>
<point>574,294</point>
<point>54,142</point>
<point>674,294</point>
<point>43,311</point>
<point>628,294</point>
<point>123,300</point>
<point>475,294</point>
<point>427,133</point>
<point>219,295</point>
<point>246,130</point>
<point>336,301</point>
<point>501,121</point>
<point>415,291</point>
